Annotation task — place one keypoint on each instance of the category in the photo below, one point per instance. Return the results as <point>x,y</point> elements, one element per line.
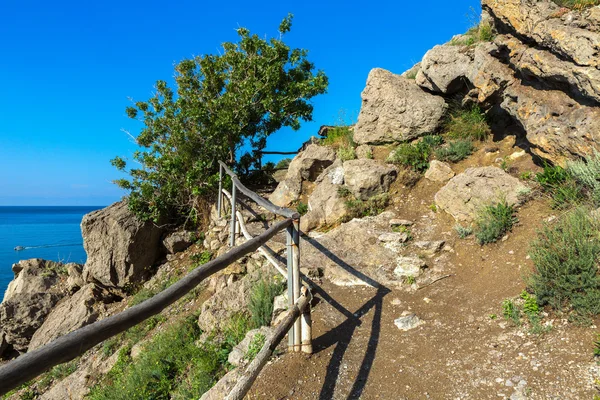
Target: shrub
<point>359,208</point>
<point>256,344</point>
<point>468,123</point>
<point>343,191</point>
<point>415,155</point>
<point>283,163</point>
<point>565,257</point>
<point>455,151</point>
<point>494,221</point>
<point>346,153</point>
<point>463,231</point>
<point>511,312</point>
<point>561,186</point>
<point>261,302</point>
<point>302,208</point>
<point>587,174</point>
<point>482,32</point>
<point>340,136</point>
<point>202,258</point>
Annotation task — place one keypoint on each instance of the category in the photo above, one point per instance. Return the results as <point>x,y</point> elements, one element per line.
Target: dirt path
<point>461,351</point>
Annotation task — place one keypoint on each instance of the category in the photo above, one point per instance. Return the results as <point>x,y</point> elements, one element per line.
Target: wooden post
<point>306,321</point>
<point>220,196</point>
<point>290,280</point>
<point>233,221</point>
<point>297,283</point>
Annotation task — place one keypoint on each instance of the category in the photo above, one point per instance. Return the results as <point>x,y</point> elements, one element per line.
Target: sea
<point>51,233</point>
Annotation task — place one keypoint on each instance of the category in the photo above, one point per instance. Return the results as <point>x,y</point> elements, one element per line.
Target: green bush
<point>494,221</point>
<point>359,208</point>
<point>565,257</point>
<point>261,302</point>
<point>339,136</point>
<point>483,32</point>
<point>559,183</point>
<point>469,123</point>
<point>202,258</point>
<point>171,366</point>
<point>346,153</point>
<point>415,155</point>
<point>256,344</point>
<point>302,208</point>
<point>283,163</point>
<point>587,174</point>
<point>463,231</point>
<point>455,151</point>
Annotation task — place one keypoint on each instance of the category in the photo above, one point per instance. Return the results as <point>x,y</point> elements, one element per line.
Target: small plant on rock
<point>261,302</point>
<point>302,208</point>
<point>416,155</point>
<point>455,151</point>
<point>494,221</point>
<point>258,341</point>
<point>463,231</point>
<point>346,153</point>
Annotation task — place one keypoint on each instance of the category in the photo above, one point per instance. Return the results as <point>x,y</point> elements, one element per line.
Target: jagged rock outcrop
<point>465,194</point>
<point>366,178</point>
<point>178,241</point>
<point>71,313</point>
<point>395,109</point>
<point>120,248</point>
<point>306,166</point>
<point>38,285</point>
<point>443,69</point>
<point>325,204</point>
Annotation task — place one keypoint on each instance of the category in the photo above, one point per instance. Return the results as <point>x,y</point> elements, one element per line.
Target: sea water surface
<point>51,233</point>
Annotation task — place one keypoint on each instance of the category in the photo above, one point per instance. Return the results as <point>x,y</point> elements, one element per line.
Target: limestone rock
<point>75,279</point>
<point>367,178</point>
<point>400,222</point>
<point>307,166</point>
<point>409,266</point>
<point>395,109</point>
<point>238,356</point>
<point>69,314</point>
<point>439,171</point>
<point>393,237</point>
<point>465,194</point>
<point>325,206</point>
<point>364,151</point>
<point>280,306</point>
<point>444,68</point>
<point>408,321</point>
<point>120,247</point>
<point>430,247</point>
<point>178,241</point>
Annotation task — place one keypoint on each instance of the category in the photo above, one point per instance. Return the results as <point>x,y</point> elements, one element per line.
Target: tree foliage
<point>220,102</point>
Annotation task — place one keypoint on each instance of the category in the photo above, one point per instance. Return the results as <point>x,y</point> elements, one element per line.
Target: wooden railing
<point>76,343</point>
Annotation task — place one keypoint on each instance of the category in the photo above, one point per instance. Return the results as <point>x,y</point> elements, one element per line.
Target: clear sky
<point>69,68</point>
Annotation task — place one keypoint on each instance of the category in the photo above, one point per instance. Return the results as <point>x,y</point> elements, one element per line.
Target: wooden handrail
<point>261,201</point>
<point>74,344</point>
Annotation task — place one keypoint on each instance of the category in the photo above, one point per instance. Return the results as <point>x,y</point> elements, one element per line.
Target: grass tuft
<point>468,123</point>
<point>455,151</point>
<point>261,302</point>
<point>359,208</point>
<point>494,221</point>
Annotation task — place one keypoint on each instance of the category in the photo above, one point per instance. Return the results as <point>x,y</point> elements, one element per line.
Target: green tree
<point>253,88</point>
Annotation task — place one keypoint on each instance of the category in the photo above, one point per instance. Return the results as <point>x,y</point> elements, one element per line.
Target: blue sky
<point>68,69</point>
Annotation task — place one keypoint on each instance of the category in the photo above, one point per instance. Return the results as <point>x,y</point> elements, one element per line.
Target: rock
<point>439,171</point>
<point>412,72</point>
<point>408,321</point>
<point>238,356</point>
<point>395,109</point>
<point>465,194</point>
<point>3,343</point>
<point>444,68</point>
<point>533,20</point>
<point>430,247</point>
<point>364,151</point>
<point>393,237</point>
<point>224,386</point>
<point>306,166</point>
<point>280,306</point>
<point>325,205</point>
<point>409,266</point>
<point>400,222</point>
<point>367,178</point>
<point>75,279</point>
<point>37,287</point>
<point>120,247</point>
<point>69,314</point>
<point>178,241</point>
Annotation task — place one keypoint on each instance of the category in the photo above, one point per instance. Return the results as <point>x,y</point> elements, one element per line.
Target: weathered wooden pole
<point>290,280</point>
<point>297,283</point>
<point>306,322</point>
<point>233,198</point>
<point>220,196</point>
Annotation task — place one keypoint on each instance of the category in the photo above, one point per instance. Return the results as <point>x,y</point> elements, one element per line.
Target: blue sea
<point>51,233</point>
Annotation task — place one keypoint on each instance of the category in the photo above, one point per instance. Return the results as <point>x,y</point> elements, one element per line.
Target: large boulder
<point>325,204</point>
<point>37,287</point>
<point>178,241</point>
<point>465,194</point>
<point>444,68</point>
<point>69,314</point>
<point>395,109</point>
<point>120,247</point>
<point>306,166</point>
<point>366,178</point>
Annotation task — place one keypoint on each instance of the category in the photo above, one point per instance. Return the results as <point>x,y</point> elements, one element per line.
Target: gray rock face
<point>364,151</point>
<point>178,241</point>
<point>69,314</point>
<point>325,205</point>
<point>120,248</point>
<point>37,287</point>
<point>439,171</point>
<point>465,194</point>
<point>307,166</point>
<point>367,178</point>
<point>395,109</point>
<point>409,266</point>
<point>393,237</point>
<point>444,68</point>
